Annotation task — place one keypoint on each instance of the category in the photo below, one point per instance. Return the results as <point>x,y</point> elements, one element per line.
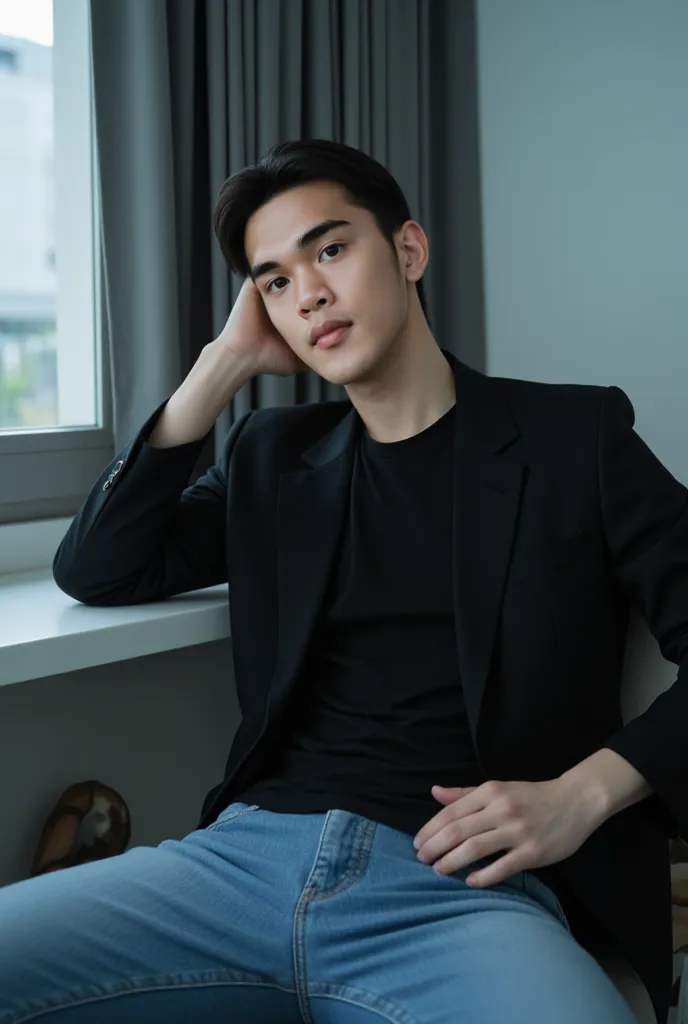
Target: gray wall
<point>157,729</point>
<point>584,154</point>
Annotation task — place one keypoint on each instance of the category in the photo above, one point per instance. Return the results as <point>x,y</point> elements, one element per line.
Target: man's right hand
<point>250,334</point>
<point>248,344</point>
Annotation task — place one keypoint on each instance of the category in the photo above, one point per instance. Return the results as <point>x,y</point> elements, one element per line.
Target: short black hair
<point>364,181</point>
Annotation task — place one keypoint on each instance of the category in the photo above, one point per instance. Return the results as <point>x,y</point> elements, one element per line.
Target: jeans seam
<point>219,821</point>
<point>355,873</point>
<point>133,987</point>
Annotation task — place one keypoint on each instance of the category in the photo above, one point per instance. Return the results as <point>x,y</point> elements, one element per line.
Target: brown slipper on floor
<point>66,841</point>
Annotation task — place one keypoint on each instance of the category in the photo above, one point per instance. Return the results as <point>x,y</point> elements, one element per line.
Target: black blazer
<point>562,518</point>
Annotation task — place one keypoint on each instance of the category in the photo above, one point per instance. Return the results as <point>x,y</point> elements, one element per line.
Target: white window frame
<point>46,473</point>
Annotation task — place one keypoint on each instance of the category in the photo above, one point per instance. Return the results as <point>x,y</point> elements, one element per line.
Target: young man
<point>431,807</point>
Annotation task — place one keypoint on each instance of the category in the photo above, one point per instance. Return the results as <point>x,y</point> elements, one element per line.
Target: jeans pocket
<point>230,812</point>
<point>542,894</point>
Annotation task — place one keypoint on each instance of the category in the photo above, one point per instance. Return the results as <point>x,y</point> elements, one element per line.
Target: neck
<point>410,388</point>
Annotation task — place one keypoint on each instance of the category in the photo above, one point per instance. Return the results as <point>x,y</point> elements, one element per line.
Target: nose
<point>312,293</point>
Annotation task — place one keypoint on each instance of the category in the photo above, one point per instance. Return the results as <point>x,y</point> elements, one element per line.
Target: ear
<point>414,247</point>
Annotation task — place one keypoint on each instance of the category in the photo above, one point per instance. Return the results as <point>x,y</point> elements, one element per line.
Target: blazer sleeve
<point>645,517</point>
<point>142,533</point>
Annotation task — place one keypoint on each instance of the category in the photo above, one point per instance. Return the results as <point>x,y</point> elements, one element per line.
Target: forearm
<point>192,410</point>
<point>606,784</point>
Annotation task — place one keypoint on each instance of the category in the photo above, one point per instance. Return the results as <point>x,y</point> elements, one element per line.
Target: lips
<point>332,337</point>
<point>327,328</point>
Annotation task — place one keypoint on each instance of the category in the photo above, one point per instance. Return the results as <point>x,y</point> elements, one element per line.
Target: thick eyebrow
<point>302,243</point>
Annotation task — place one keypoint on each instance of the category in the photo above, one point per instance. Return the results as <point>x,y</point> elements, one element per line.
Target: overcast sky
<point>28,19</point>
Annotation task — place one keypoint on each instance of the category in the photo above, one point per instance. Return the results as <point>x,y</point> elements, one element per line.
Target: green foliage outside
<point>22,399</point>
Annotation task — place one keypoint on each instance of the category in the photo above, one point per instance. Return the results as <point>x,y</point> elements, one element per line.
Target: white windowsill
<point>44,632</point>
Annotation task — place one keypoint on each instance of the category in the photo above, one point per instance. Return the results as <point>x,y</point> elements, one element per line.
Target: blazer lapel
<point>311,507</point>
<point>313,502</point>
<point>487,495</point>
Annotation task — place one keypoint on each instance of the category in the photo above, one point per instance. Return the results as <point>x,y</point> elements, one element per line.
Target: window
<point>54,424</point>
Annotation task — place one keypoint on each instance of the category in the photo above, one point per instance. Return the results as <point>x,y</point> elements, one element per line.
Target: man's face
<point>348,273</point>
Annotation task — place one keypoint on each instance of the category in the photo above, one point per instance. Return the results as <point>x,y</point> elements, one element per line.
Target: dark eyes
<point>332,245</point>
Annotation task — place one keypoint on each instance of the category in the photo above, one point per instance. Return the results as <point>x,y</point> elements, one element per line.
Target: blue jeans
<point>324,918</point>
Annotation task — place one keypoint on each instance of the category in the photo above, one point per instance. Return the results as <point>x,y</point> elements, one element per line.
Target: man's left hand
<point>537,823</point>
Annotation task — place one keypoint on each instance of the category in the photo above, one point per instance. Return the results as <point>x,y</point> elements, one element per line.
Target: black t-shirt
<point>378,716</point>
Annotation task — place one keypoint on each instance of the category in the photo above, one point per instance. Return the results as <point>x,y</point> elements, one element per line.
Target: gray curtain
<point>190,91</point>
